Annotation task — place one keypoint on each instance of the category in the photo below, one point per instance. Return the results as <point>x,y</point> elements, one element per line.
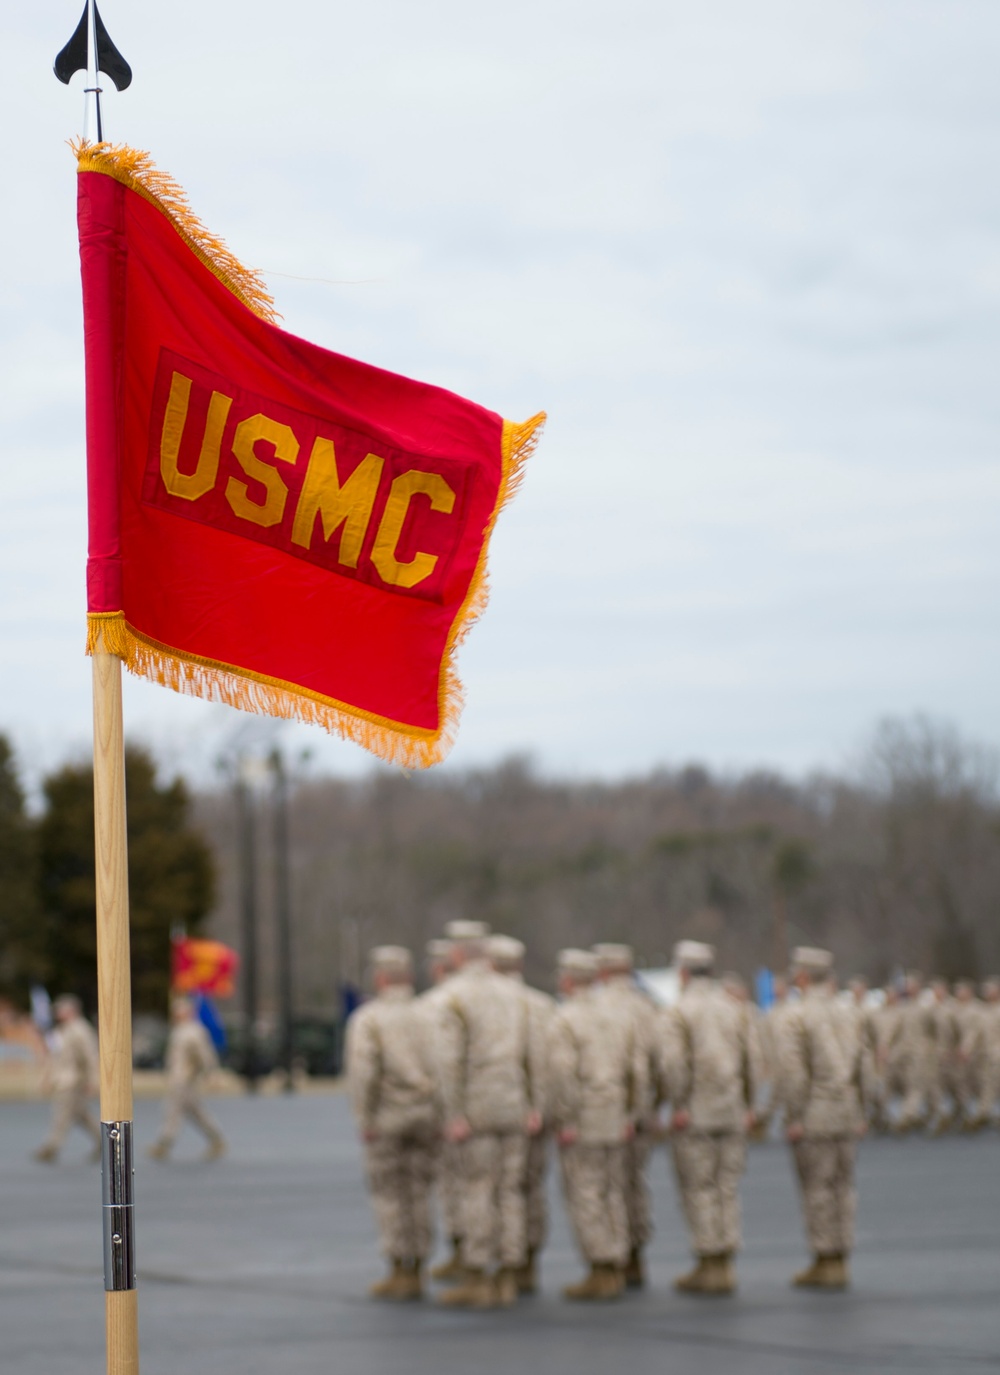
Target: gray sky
<point>746,255</point>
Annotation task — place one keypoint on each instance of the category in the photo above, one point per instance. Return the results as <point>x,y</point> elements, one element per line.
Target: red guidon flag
<point>271,525</point>
<point>202,966</point>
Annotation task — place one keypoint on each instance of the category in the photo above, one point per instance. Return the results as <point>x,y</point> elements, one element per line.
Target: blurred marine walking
<point>71,1074</point>
<point>190,1057</point>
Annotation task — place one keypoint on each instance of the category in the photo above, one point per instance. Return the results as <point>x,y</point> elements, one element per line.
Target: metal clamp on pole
<point>117,1197</point>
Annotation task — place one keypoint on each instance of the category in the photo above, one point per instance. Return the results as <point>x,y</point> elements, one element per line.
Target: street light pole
<point>283,914</point>
<point>248,912</point>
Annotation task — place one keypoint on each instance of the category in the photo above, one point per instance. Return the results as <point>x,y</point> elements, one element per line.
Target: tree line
<point>893,864</point>
<point>47,884</point>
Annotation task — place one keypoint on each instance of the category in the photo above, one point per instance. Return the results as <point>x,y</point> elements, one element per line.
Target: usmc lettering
<point>307,485</point>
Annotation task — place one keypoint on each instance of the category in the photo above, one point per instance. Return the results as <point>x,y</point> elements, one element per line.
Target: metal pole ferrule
<point>118,1198</point>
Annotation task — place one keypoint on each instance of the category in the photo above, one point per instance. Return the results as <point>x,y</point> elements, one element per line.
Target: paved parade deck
<point>259,1266</point>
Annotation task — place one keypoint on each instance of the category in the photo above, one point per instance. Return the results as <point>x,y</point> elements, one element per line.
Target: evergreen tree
<point>171,878</point>
<point>21,961</point>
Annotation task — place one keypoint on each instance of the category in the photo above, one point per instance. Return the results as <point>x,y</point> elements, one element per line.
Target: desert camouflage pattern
<point>190,1057</point>
<point>709,1167</point>
<point>823,1078</point>
<point>449,1182</point>
<point>190,1054</point>
<point>73,1063</point>
<point>493,1077</point>
<point>825,1170</point>
<point>490,1072</point>
<point>596,1071</point>
<point>541,1010</point>
<point>392,1078</point>
<point>391,1065</point>
<point>823,1086</point>
<point>627,1003</point>
<point>593,1180</point>
<point>596,1078</point>
<point>400,1172</point>
<point>711,1063</point>
<point>71,1075</point>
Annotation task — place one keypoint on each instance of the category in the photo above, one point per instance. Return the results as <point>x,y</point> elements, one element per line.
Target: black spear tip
<point>73,57</point>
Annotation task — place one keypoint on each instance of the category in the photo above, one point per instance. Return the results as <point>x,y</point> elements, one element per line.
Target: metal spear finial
<point>91,50</point>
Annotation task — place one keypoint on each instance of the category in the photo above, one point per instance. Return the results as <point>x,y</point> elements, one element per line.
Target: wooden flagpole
<point>114,996</point>
<point>91,50</point>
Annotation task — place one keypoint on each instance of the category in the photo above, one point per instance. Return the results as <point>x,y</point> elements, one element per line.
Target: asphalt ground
<point>260,1264</point>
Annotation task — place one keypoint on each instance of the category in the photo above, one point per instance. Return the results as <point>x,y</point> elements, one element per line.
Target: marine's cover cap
<point>437,949</point>
<point>580,964</point>
<point>467,930</point>
<point>506,951</point>
<point>693,955</point>
<point>391,959</point>
<point>611,956</point>
<point>809,959</point>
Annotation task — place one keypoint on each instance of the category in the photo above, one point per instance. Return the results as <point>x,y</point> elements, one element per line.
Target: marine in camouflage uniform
<point>190,1057</point>
<point>492,1087</point>
<point>592,1066</point>
<point>968,1053</point>
<point>990,1083</point>
<point>617,992</point>
<point>889,1080</point>
<point>507,957</point>
<point>449,1183</point>
<point>711,1068</point>
<point>771,1024</point>
<point>739,990</point>
<point>395,1092</point>
<point>910,1056</point>
<point>71,1073</point>
<point>822,1088</point>
<point>867,1018</point>
<point>945,1101</point>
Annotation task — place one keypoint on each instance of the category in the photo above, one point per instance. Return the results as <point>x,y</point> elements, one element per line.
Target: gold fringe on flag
<point>139,173</point>
<point>110,633</point>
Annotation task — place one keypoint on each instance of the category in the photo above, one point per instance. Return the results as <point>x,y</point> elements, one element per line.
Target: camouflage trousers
<point>71,1107</point>
<point>825,1166</point>
<point>535,1203</point>
<point>493,1207</point>
<point>400,1172</point>
<point>987,1082</point>
<point>638,1201</point>
<point>450,1190</point>
<point>184,1100</point>
<point>593,1179</point>
<point>956,1087</point>
<point>709,1167</point>
<point>908,1083</point>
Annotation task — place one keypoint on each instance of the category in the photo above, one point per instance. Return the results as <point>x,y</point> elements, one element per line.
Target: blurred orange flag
<point>199,966</point>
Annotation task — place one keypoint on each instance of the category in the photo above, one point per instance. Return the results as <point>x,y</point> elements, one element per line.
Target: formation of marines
<point>463,1090</point>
